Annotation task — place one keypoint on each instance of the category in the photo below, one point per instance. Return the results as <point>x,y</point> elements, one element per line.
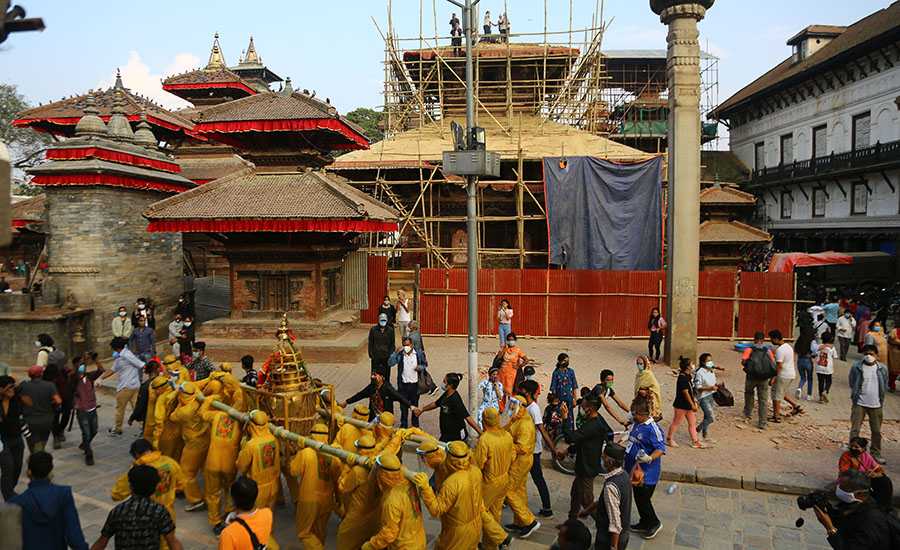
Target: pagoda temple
<point>286,227</point>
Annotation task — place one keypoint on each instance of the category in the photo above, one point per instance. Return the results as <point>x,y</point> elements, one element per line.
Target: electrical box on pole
<point>472,163</point>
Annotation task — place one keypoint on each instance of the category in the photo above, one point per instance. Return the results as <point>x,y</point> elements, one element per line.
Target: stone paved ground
<point>694,516</point>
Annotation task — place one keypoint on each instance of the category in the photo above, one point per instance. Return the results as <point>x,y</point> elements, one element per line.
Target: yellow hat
<point>365,442</point>
<point>361,410</point>
<point>319,428</point>
<point>491,417</point>
<point>169,359</point>
<point>259,417</point>
<point>458,449</point>
<point>226,367</point>
<point>388,462</point>
<point>427,446</point>
<point>386,419</point>
<point>159,382</point>
<point>188,388</point>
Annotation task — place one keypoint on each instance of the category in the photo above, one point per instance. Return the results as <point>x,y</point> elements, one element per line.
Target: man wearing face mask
<point>868,382</point>
<point>846,328</point>
<point>381,396</point>
<point>381,343</point>
<point>175,328</point>
<point>857,523</point>
<point>454,414</point>
<point>587,443</point>
<point>612,511</point>
<point>128,368</point>
<point>410,363</point>
<point>121,324</point>
<point>84,401</point>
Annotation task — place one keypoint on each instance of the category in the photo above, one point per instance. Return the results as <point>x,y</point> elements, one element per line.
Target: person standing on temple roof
<point>121,326</point>
<point>142,341</point>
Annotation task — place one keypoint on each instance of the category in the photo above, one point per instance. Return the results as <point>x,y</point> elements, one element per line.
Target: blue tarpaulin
<point>604,215</point>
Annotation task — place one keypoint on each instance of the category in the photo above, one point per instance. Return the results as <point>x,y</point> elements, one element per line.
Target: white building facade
<point>821,135</point>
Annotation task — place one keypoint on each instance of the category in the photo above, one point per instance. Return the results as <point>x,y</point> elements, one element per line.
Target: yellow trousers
<point>191,462</point>
<point>171,448</point>
<point>493,494</point>
<point>293,488</point>
<point>354,531</point>
<point>491,531</point>
<point>312,521</point>
<point>517,494</point>
<point>214,483</point>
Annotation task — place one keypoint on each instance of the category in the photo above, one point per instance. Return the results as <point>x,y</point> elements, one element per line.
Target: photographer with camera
<point>84,400</point>
<point>857,523</point>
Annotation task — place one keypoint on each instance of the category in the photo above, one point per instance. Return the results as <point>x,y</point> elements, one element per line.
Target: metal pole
<point>471,221</point>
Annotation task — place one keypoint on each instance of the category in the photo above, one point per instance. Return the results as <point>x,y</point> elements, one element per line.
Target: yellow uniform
<point>259,460</point>
<point>220,469</point>
<point>195,433</point>
<point>401,526</point>
<point>494,455</point>
<point>318,481</point>
<point>523,433</point>
<point>175,371</point>
<point>436,459</point>
<point>356,488</point>
<point>167,434</point>
<point>349,434</point>
<point>171,481</point>
<point>458,502</point>
<point>158,386</point>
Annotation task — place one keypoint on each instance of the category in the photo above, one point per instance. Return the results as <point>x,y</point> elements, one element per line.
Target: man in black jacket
<point>381,344</point>
<point>151,369</point>
<point>857,523</point>
<point>381,396</point>
<point>587,444</point>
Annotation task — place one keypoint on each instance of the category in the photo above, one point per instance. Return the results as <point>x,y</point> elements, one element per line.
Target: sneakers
<point>638,528</point>
<point>57,444</point>
<point>809,397</point>
<point>825,397</point>
<point>699,445</point>
<point>709,440</point>
<point>527,531</point>
<point>799,392</point>
<point>89,460</point>
<point>512,527</point>
<point>218,528</point>
<point>505,544</point>
<point>194,506</point>
<point>545,514</point>
<point>671,443</point>
<point>113,433</point>
<point>652,532</point>
<point>880,460</point>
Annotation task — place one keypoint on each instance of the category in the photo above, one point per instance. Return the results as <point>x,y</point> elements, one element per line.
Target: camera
<point>815,498</point>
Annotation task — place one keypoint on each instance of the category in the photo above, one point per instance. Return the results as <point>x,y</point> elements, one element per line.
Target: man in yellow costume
<point>158,386</point>
<point>458,502</point>
<point>195,433</point>
<point>521,427</point>
<point>318,474</point>
<point>175,371</point>
<point>220,469</point>
<point>356,488</point>
<point>349,434</point>
<point>171,479</point>
<point>259,460</point>
<point>493,456</point>
<point>167,434</point>
<point>401,526</point>
<point>435,458</point>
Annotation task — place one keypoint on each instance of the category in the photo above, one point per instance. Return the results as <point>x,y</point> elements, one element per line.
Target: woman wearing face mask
<point>491,393</point>
<point>705,382</point>
<point>858,459</point>
<point>388,309</point>
<point>563,383</point>
<point>454,415</point>
<point>876,338</point>
<point>84,400</point>
<point>657,327</point>
<point>504,320</point>
<point>143,310</point>
<point>646,386</point>
<point>605,392</point>
<point>513,359</point>
<point>685,404</point>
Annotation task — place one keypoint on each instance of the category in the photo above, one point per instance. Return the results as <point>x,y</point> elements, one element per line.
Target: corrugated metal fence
<point>595,304</point>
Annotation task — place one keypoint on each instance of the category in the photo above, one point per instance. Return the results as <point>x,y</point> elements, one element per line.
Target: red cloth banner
<point>359,141</point>
<point>785,263</point>
<point>71,121</point>
<point>112,181</point>
<point>246,226</point>
<point>125,158</point>
<point>202,85</point>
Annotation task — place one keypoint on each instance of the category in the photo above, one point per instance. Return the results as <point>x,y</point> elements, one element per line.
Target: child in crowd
<point>825,355</point>
<point>580,419</point>
<point>552,418</point>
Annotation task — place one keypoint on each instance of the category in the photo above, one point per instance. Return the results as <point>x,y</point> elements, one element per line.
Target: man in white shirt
<point>783,381</point>
<point>174,333</point>
<point>527,390</point>
<point>409,363</point>
<point>846,328</point>
<point>403,314</point>
<point>868,380</point>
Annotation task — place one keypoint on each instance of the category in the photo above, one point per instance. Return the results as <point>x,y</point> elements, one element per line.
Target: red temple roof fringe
<point>112,181</point>
<point>113,156</point>
<point>284,126</point>
<point>226,226</point>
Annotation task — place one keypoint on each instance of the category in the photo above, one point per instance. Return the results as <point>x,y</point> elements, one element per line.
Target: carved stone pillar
<point>683,200</point>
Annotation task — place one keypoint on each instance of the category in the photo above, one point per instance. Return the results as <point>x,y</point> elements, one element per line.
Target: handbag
<point>723,397</point>
<point>426,383</point>
<point>637,476</point>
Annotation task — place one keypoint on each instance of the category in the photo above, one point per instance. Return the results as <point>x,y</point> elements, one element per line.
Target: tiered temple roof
<point>212,84</point>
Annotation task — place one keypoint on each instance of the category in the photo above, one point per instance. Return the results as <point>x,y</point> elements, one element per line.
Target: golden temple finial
<point>251,55</point>
<point>216,58</point>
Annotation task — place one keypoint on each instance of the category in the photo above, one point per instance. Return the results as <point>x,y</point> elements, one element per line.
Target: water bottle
<point>672,488</point>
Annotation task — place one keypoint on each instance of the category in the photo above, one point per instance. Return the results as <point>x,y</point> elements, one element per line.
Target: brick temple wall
<point>99,248</point>
<point>303,283</point>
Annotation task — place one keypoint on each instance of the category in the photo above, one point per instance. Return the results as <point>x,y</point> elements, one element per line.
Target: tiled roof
<point>856,36</point>
<point>818,30</point>
<point>28,209</point>
<point>73,108</point>
<point>723,232</point>
<point>295,196</point>
<point>211,168</point>
<point>725,195</point>
<point>272,106</point>
<point>206,76</point>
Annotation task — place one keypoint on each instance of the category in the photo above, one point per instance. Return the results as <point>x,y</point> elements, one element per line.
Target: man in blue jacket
<point>49,518</point>
<point>410,362</point>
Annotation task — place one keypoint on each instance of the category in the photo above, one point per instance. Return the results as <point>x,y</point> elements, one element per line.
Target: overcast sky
<point>335,48</point>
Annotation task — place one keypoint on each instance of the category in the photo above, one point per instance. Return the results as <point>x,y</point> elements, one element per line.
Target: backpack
<point>57,357</point>
<point>760,365</point>
<point>254,542</point>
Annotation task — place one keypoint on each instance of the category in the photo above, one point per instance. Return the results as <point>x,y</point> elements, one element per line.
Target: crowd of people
<point>241,464</point>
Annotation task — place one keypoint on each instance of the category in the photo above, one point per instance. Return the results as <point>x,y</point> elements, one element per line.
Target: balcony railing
<point>832,165</point>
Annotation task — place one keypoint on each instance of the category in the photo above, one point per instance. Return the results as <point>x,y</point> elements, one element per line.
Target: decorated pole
<point>368,426</point>
<point>277,431</point>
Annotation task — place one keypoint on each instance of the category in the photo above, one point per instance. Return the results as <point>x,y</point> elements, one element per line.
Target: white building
<point>821,134</point>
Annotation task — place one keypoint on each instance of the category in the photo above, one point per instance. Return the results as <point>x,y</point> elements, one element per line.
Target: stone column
<point>683,200</point>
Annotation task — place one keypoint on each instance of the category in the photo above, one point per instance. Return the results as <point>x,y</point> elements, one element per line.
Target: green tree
<point>26,146</point>
<point>368,120</point>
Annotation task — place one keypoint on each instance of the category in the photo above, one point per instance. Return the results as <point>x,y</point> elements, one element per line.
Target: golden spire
<point>251,56</point>
<point>216,59</point>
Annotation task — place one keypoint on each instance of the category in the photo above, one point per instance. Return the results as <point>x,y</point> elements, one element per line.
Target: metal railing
<point>832,165</point>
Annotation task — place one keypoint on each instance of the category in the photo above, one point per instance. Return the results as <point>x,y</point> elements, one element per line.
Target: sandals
<point>699,445</point>
<point>775,420</point>
<point>796,411</point>
<point>671,443</point>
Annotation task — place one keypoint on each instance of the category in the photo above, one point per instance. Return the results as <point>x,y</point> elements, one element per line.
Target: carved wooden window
<point>859,198</point>
<point>332,288</point>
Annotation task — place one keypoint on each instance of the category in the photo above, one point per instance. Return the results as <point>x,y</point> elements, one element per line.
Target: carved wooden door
<point>275,293</point>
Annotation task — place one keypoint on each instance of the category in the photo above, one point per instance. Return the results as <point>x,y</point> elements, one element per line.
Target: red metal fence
<point>598,304</point>
<point>377,288</point>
